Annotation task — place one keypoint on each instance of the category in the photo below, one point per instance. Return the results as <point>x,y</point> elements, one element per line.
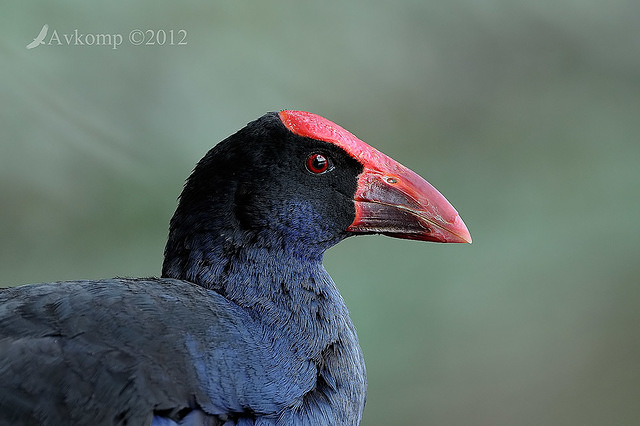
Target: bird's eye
<point>317,163</point>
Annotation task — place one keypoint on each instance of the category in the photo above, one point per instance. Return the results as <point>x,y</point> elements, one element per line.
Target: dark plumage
<point>245,327</point>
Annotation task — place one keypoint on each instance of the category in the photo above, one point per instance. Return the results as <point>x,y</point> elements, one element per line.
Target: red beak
<point>395,201</point>
<point>390,198</point>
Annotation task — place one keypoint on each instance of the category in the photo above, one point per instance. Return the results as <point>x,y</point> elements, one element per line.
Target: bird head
<point>296,180</point>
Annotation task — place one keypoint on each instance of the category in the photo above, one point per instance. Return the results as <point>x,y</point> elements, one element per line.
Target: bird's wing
<point>43,33</point>
<point>122,351</point>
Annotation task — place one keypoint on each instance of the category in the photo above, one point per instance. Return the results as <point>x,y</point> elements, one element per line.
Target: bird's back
<point>120,351</point>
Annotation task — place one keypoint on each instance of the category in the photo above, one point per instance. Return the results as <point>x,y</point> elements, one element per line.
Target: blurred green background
<point>526,115</point>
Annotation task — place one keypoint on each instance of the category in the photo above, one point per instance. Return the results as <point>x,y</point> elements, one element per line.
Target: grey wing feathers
<point>101,352</point>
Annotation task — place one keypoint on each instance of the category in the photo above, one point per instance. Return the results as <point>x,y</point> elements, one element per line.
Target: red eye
<point>317,163</point>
